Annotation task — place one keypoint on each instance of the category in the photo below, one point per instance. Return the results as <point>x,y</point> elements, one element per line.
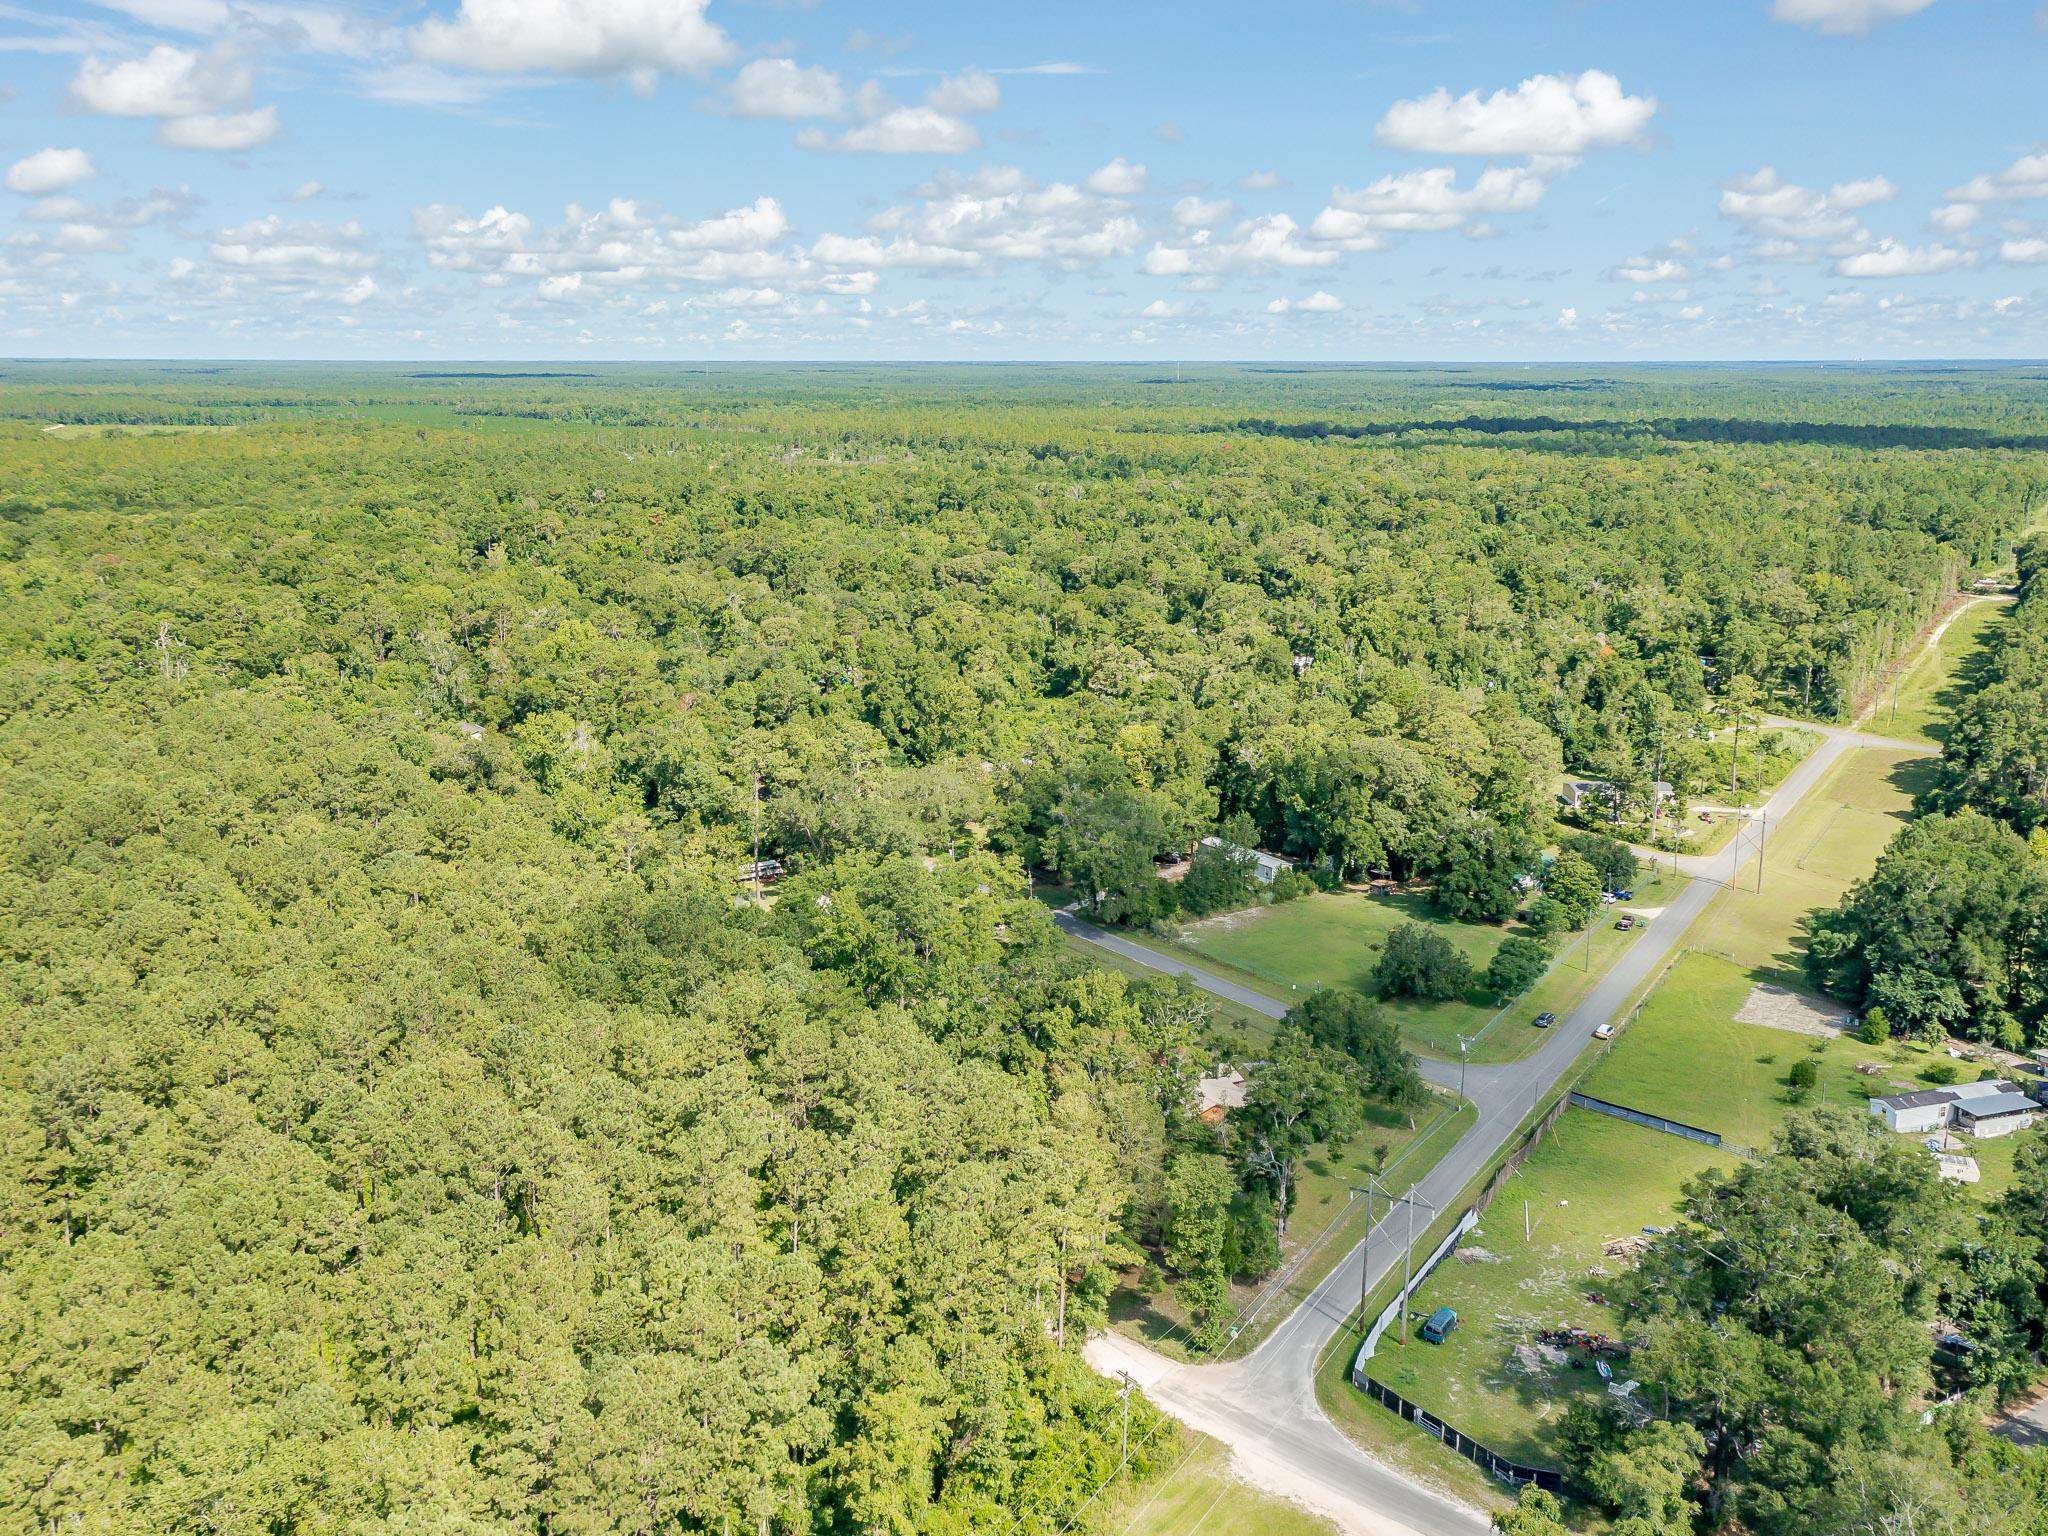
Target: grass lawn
<point>1917,706</point>
<point>1326,1219</point>
<point>1828,844</point>
<point>1684,1056</point>
<point>1592,1179</point>
<point>1235,1022</point>
<point>1199,1493</point>
<point>1288,951</point>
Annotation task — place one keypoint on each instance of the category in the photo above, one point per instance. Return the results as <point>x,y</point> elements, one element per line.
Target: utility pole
<point>1407,1264</point>
<point>1365,1257</point>
<point>1124,1459</point>
<point>1762,836</point>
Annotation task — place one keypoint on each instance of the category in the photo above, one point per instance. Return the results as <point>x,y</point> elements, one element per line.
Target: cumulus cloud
<point>1194,212</point>
<point>2029,249</point>
<point>785,88</point>
<point>938,127</point>
<point>1953,218</point>
<point>1544,115</point>
<point>2026,177</point>
<point>1119,178</point>
<point>641,39</point>
<point>611,253</point>
<point>1650,269</point>
<point>1889,258</point>
<point>1163,309</point>
<point>1845,18</point>
<point>1261,181</point>
<point>1000,214</point>
<point>224,131</point>
<point>1255,245</point>
<point>1770,207</point>
<point>1317,303</point>
<point>271,246</point>
<point>1423,201</point>
<point>186,90</point>
<point>49,170</point>
<point>164,82</point>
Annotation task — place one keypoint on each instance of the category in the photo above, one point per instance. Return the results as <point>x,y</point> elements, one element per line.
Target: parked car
<point>1624,895</point>
<point>1545,1020</point>
<point>1603,1031</point>
<point>1625,922</point>
<point>1440,1324</point>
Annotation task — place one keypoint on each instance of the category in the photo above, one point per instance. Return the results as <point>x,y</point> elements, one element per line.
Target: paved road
<point>1264,1406</point>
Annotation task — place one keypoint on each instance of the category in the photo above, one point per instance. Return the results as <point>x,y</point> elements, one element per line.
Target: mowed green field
<point>1290,950</point>
<point>1942,672</point>
<point>1827,845</point>
<point>1686,1058</point>
<point>1592,1179</point>
<point>1199,1496</point>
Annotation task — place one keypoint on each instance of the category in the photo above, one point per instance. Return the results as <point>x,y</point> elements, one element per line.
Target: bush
<point>1802,1080</point>
<point>1516,966</point>
<point>1420,962</point>
<point>1292,885</point>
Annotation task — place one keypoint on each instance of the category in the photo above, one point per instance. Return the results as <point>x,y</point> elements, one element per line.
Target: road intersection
<point>1264,1406</point>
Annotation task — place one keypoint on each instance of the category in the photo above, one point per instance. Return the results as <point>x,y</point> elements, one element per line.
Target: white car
<point>1603,1031</point>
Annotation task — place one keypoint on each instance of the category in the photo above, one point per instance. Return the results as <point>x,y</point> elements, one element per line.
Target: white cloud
<point>1163,309</point>
<point>637,38</point>
<point>2029,249</point>
<point>939,127</point>
<point>1422,201</point>
<point>1261,181</point>
<point>903,131</point>
<point>1255,245</point>
<point>226,132</point>
<point>1119,178</point>
<point>963,95</point>
<point>2026,177</point>
<point>1845,18</point>
<point>1544,115</point>
<point>1317,303</point>
<point>272,247</point>
<point>785,88</point>
<point>1888,258</point>
<point>49,170</point>
<point>1650,269</point>
<point>1568,319</point>
<point>1002,215</point>
<point>1194,212</point>
<point>165,82</point>
<point>361,291</point>
<point>1772,208</point>
<point>1953,218</point>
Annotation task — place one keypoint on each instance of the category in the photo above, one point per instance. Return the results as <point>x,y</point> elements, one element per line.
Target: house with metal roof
<point>1936,1109</point>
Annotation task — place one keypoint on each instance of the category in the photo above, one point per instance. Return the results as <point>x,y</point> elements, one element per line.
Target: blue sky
<point>1336,179</point>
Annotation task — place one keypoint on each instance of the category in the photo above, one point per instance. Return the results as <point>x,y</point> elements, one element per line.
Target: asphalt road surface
<point>1264,1406</point>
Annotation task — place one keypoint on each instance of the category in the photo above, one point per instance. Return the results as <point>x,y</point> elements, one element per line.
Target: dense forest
<point>1950,933</point>
<point>407,1105</point>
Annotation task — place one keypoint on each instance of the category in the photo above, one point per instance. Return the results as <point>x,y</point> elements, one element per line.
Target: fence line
<point>1644,1118</point>
<point>1472,1450</point>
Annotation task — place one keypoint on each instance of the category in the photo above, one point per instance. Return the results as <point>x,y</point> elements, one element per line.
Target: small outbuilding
<point>1216,1097</point>
<point>1266,867</point>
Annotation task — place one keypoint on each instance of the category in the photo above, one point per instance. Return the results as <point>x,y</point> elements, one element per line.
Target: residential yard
<point>1915,708</point>
<point>1201,1494</point>
<point>1325,1218</point>
<point>1289,950</point>
<point>1684,1056</point>
<point>1592,1180</point>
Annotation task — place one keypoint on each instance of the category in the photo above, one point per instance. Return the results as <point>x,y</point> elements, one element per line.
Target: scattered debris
<point>1477,1255</point>
<point>1625,1247</point>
